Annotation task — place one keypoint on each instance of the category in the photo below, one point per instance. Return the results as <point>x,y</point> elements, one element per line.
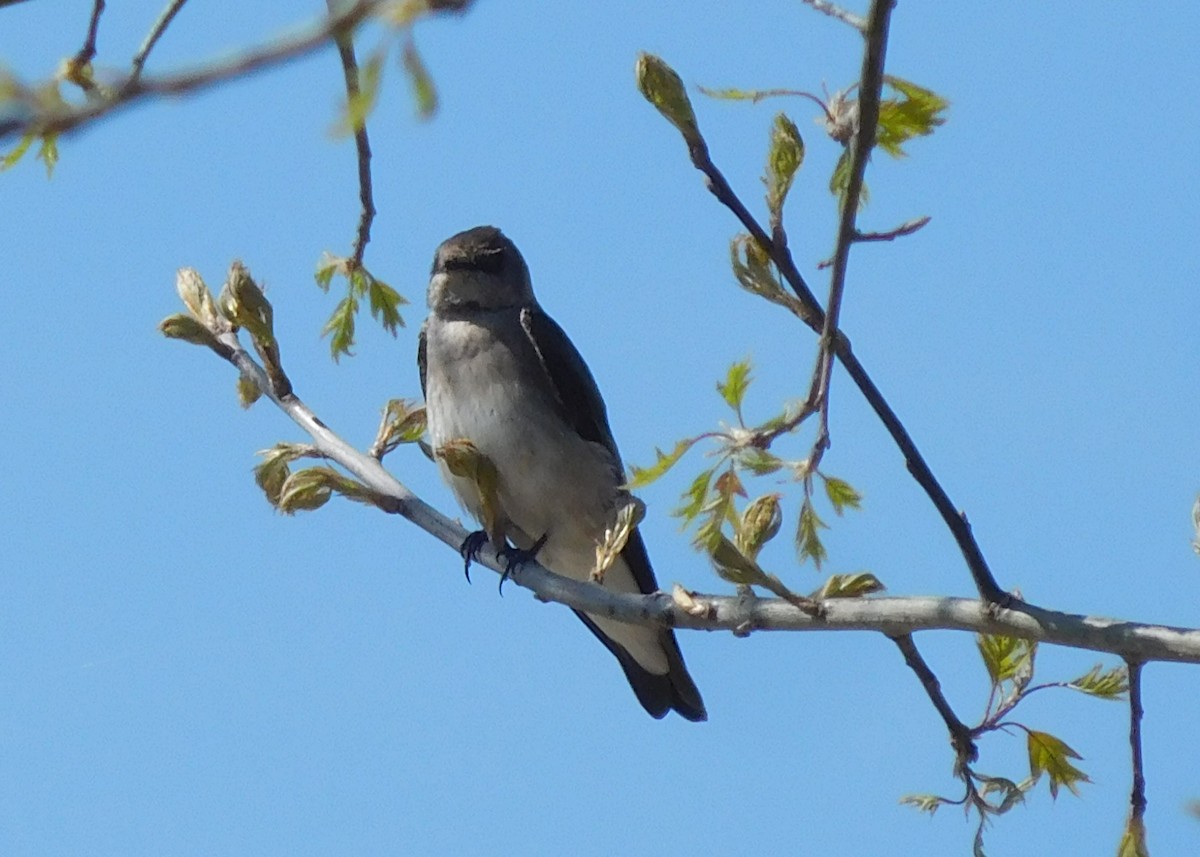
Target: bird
<point>499,373</point>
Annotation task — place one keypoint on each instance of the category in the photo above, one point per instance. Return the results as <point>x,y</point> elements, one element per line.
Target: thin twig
<point>965,750</point>
<point>87,52</point>
<point>908,227</point>
<point>160,26</point>
<point>1137,797</point>
<point>65,119</point>
<point>810,312</point>
<point>362,144</point>
<point>834,11</point>
<point>870,88</point>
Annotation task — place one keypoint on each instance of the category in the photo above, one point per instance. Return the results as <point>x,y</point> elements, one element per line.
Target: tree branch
<point>362,143</point>
<point>965,750</point>
<point>892,616</point>
<point>1137,797</point>
<point>160,27</point>
<point>41,121</point>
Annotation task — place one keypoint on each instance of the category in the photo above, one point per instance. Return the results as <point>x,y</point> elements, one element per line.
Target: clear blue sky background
<point>184,671</point>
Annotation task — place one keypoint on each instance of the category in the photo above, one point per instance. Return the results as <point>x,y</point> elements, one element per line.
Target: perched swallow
<point>499,373</point>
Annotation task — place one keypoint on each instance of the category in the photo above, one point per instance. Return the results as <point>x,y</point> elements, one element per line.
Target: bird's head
<point>480,269</point>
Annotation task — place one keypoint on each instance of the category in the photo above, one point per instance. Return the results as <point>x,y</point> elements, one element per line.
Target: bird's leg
<point>470,548</point>
<point>515,557</point>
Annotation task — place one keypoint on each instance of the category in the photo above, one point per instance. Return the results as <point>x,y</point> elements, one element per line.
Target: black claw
<point>514,558</point>
<point>470,548</point>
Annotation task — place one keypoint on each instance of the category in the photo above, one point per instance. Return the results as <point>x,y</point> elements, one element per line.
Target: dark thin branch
<point>965,750</point>
<point>908,227</point>
<point>160,26</point>
<point>870,87</point>
<point>1137,797</point>
<point>362,144</point>
<point>62,120</point>
<point>87,53</point>
<point>811,314</point>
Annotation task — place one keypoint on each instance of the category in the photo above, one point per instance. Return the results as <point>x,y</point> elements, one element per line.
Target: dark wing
<point>421,358</point>
<point>570,379</point>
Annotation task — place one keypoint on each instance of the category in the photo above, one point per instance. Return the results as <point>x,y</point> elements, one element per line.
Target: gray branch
<point>892,616</point>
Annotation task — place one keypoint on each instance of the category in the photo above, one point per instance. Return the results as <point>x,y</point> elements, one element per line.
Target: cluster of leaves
<point>383,300</point>
<point>909,111</point>
<point>23,100</point>
<point>1010,664</point>
<point>731,528</point>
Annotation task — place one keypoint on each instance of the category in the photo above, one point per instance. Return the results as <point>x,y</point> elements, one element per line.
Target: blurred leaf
<point>1012,793</point>
<point>1110,684</point>
<point>196,296</point>
<point>839,182</point>
<point>360,104</point>
<point>617,536</point>
<point>1133,839</point>
<point>463,459</point>
<point>760,462</point>
<point>733,388</point>
<point>385,305</point>
<point>754,95</point>
<point>760,523</point>
<point>731,563</point>
<point>925,802</point>
<point>849,586</point>
<point>841,494</point>
<point>639,477</point>
<point>784,158</point>
<point>1051,755</point>
<point>424,92</point>
<point>1006,658</point>
<point>915,114</point>
<point>404,421</point>
<point>663,88</point>
<point>272,472</point>
<point>304,491</point>
<point>341,326</point>
<point>808,539</point>
<point>48,153</point>
<point>695,497</point>
<point>18,151</point>
<point>248,391</point>
<point>327,266</point>
<point>187,329</point>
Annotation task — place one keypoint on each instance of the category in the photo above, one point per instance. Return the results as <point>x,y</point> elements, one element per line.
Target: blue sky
<point>184,671</point>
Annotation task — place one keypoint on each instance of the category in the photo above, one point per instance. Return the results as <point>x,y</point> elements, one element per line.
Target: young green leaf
<point>327,266</point>
<point>760,462</point>
<point>784,157</point>
<point>1006,658</point>
<point>849,586</point>
<point>839,182</point>
<point>248,391</point>
<point>385,305</point>
<point>639,477</point>
<point>841,494</point>
<point>48,153</point>
<point>341,326</point>
<point>733,388</point>
<point>424,92</point>
<point>361,103</point>
<point>662,87</point>
<point>1106,684</point>
<point>924,802</point>
<point>760,523</point>
<point>1133,840</point>
<point>1051,756</point>
<point>10,160</point>
<point>914,114</point>
<point>808,538</point>
<point>694,497</point>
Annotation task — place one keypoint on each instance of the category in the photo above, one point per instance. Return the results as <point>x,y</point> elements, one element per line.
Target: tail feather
<point>658,694</point>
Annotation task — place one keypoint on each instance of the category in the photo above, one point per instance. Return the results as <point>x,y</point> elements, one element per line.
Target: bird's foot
<point>470,548</point>
<point>514,558</point>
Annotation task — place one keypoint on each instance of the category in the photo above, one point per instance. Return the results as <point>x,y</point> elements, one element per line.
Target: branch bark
<point>893,616</point>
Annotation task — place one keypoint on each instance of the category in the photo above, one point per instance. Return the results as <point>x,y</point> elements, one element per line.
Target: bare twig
<point>908,227</point>
<point>362,144</point>
<point>810,312</point>
<point>77,71</point>
<point>834,11</point>
<point>965,750</point>
<point>65,119</point>
<point>160,26</point>
<point>1137,797</point>
<point>870,87</point>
